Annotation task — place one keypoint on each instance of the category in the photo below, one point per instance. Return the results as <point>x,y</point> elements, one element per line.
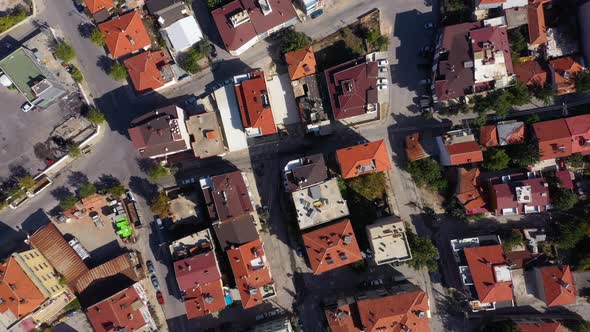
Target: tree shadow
<point>60,193</point>
<point>106,181</point>
<point>105,63</point>
<point>85,29</point>
<point>77,179</point>
<point>143,187</point>
<point>35,221</point>
<point>18,171</point>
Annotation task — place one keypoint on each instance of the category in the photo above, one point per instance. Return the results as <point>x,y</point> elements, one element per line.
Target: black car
<point>213,51</point>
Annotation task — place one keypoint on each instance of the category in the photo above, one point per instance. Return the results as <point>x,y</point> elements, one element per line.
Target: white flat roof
<point>229,112</point>
<point>282,100</point>
<point>184,33</point>
<point>388,241</point>
<point>319,204</point>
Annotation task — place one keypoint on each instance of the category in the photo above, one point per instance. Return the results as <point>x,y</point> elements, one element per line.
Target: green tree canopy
<point>87,189</point>
<point>427,172</point>
<point>294,40</point>
<point>95,116</point>
<point>157,171</point>
<point>118,72</point>
<point>576,160</point>
<point>116,190</point>
<point>26,182</point>
<point>68,202</point>
<point>424,253</point>
<point>544,93</point>
<point>370,186</point>
<point>511,240</point>
<point>190,60</point>
<point>563,199</point>
<point>74,150</point>
<point>519,94</point>
<point>533,118</point>
<point>97,37</point>
<point>76,75</point>
<point>571,232</point>
<point>583,81</point>
<point>524,154</point>
<point>65,52</point>
<point>160,205</point>
<point>10,20</point>
<point>495,159</point>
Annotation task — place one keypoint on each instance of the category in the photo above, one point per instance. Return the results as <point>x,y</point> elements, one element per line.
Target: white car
<point>429,26</point>
<point>382,81</point>
<point>130,196</point>
<point>27,107</point>
<point>426,81</point>
<point>188,181</point>
<point>383,62</point>
<point>383,69</point>
<point>381,87</point>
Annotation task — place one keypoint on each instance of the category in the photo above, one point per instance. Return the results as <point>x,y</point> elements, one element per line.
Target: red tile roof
<point>334,243</point>
<point>199,278</point>
<point>251,271</point>
<point>230,196</point>
<point>352,86</point>
<point>503,193</point>
<point>145,70</point>
<point>554,139</point>
<point>373,156</point>
<point>498,37</point>
<point>95,6</point>
<point>468,191</point>
<point>531,73</point>
<point>301,63</point>
<point>125,34</point>
<point>558,285</point>
<point>565,70</point>
<point>19,294</point>
<point>414,149</point>
<point>482,261</point>
<point>579,127</point>
<point>391,313</point>
<point>118,311</point>
<point>566,177</point>
<point>464,153</point>
<point>488,135</point>
<point>341,319</point>
<point>254,102</point>
<point>540,327</point>
<point>537,28</point>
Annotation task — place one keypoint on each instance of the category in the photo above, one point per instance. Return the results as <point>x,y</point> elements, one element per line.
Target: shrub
<point>97,37</point>
<point>95,116</point>
<point>68,202</point>
<point>190,60</point>
<point>160,205</point>
<point>370,186</point>
<point>74,150</point>
<point>157,171</point>
<point>87,189</point>
<point>427,172</point>
<point>294,40</point>
<point>65,52</point>
<point>512,240</point>
<point>8,21</point>
<point>583,81</point>
<point>76,75</point>
<point>118,72</point>
<point>26,182</point>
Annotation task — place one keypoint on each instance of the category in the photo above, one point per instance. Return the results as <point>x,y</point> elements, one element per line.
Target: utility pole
<point>564,109</point>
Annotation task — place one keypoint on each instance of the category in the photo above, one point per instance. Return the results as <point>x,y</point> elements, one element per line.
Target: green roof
<point>22,71</point>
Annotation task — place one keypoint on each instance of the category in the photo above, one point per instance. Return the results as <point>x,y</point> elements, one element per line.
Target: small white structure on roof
<point>183,33</point>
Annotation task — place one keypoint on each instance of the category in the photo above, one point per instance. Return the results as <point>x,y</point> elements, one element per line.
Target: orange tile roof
<point>301,63</point>
<point>19,294</point>
<point>579,127</point>
<point>392,313</point>
<point>95,6</point>
<point>554,139</point>
<point>341,318</point>
<point>196,299</point>
<point>371,155</point>
<point>329,244</point>
<point>414,149</point>
<point>531,73</point>
<point>565,70</point>
<point>558,285</point>
<point>250,96</point>
<point>464,153</point>
<point>481,261</point>
<point>468,192</point>
<point>118,311</point>
<point>144,70</point>
<point>246,275</point>
<point>125,34</point>
<point>540,327</point>
<point>537,28</point>
<point>488,135</point>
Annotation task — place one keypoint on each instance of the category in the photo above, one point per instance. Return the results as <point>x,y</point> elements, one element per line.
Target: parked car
<point>159,223</point>
<point>188,181</point>
<point>382,80</point>
<point>381,87</point>
<point>382,62</point>
<point>150,267</point>
<point>130,196</point>
<point>383,69</point>
<point>300,252</point>
<point>372,283</point>
<point>160,297</point>
<point>155,282</point>
<point>317,14</point>
<point>579,189</point>
<point>429,26</point>
<point>27,107</point>
<point>213,51</point>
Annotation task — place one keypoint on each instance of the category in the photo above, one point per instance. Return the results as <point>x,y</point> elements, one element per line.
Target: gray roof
<point>313,171</point>
<point>155,6</point>
<point>236,232</point>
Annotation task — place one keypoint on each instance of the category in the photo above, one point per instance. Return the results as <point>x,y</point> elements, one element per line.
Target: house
<point>150,71</point>
<point>564,72</point>
<point>531,74</point>
<point>125,265</point>
<point>94,6</point>
<point>371,157</point>
<point>579,128</point>
<point>485,5</point>
<point>226,105</point>
<point>278,325</point>
<point>405,311</point>
<point>160,133</point>
<point>20,296</point>
<point>555,285</point>
<point>305,172</point>
<point>511,132</point>
<point>252,273</point>
<point>227,196</point>
<point>310,6</point>
<point>301,63</point>
<point>158,7</point>
<point>312,113</point>
<point>183,33</point>
<point>518,193</point>
<point>554,139</point>
<point>352,87</point>
<point>332,246</point>
<point>125,310</point>
<point>199,280</point>
<point>254,103</point>
<point>40,272</point>
<point>192,244</point>
<point>125,34</point>
<point>468,191</point>
<point>242,23</point>
<point>458,147</point>
<point>492,58</point>
<point>536,19</point>
<point>484,272</point>
<point>319,204</point>
<point>488,135</point>
<point>539,326</point>
<point>236,232</point>
<point>414,148</point>
<point>206,135</point>
<point>388,241</point>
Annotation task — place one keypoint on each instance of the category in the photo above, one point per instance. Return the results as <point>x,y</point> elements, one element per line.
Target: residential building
<point>199,280</point>
<point>192,244</point>
<point>40,272</point>
<point>242,23</point>
<point>332,246</point>
<point>492,58</point>
<point>312,112</point>
<point>182,34</point>
<point>206,135</point>
<point>125,34</point>
<point>94,6</point>
<point>503,133</point>
<point>484,272</point>
<point>226,105</point>
<point>20,296</point>
<point>536,23</point>
<point>555,285</point>
<point>127,265</point>
<point>352,87</point>
<point>310,6</point>
<point>371,157</point>
<point>301,63</point>
<point>277,325</point>
<point>407,311</point>
<point>227,196</point>
<point>31,78</point>
<point>159,7</point>
<point>252,273</point>
<point>236,232</point>
<point>49,241</point>
<point>160,133</point>
<point>553,138</point>
<point>564,72</point>
<point>488,135</point>
<point>458,147</point>
<point>254,103</point>
<point>518,193</point>
<point>126,310</point>
<point>579,128</point>
<point>484,5</point>
<point>319,204</point>
<point>468,191</point>
<point>415,150</point>
<point>531,73</point>
<point>388,241</point>
<point>305,172</point>
<point>539,326</point>
<point>150,71</point>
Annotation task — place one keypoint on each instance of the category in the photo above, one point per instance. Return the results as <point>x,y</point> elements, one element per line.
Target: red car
<point>160,297</point>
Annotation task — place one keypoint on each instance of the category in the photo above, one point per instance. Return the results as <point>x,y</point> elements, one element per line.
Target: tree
<point>495,159</point>
<point>157,171</point>
<point>533,118</point>
<point>576,160</point>
<point>118,72</point>
<point>571,232</point>
<point>377,40</point>
<point>455,209</point>
<point>524,154</point>
<point>160,205</point>
<point>68,202</point>
<point>76,74</point>
<point>424,253</point>
<point>500,326</point>
<point>583,264</point>
<point>26,182</point>
<point>74,150</point>
<point>563,199</point>
<point>370,186</point>
<point>95,116</point>
<point>190,60</point>
<point>87,189</point>
<point>65,52</point>
<point>519,94</point>
<point>501,102</point>
<point>294,40</point>
<point>518,43</point>
<point>583,81</point>
<point>544,93</point>
<point>116,190</point>
<point>427,172</point>
<point>512,240</point>
<point>97,37</point>
<point>213,4</point>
